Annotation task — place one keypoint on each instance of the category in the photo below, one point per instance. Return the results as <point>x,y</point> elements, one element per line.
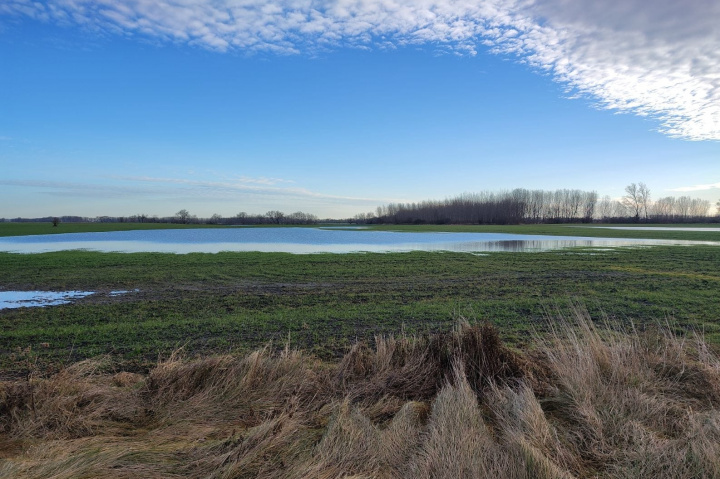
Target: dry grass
<point>583,403</point>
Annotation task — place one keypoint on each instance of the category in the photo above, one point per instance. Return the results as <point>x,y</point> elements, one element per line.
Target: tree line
<point>273,217</point>
<point>637,205</point>
<point>540,206</point>
<point>508,207</point>
<point>185,217</point>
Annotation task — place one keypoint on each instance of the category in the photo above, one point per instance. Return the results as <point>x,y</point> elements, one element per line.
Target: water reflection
<point>308,240</point>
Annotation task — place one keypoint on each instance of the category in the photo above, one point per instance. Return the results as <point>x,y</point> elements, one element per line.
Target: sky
<point>335,107</point>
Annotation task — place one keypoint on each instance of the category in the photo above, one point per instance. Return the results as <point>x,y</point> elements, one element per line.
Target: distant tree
<point>664,208</point>
<point>682,206</point>
<point>275,216</point>
<point>605,208</point>
<point>590,200</point>
<point>300,218</point>
<point>216,219</point>
<point>55,221</point>
<point>717,205</point>
<point>699,207</point>
<point>182,216</point>
<point>644,192</point>
<point>637,199</point>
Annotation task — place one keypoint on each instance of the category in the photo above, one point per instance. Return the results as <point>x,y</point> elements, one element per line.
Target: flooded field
<point>309,240</point>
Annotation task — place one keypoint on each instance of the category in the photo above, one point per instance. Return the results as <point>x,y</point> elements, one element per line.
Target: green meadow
<point>324,303</point>
<point>21,229</point>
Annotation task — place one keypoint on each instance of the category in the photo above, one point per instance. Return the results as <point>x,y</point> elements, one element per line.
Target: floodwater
<point>33,299</point>
<point>21,299</point>
<point>307,240</point>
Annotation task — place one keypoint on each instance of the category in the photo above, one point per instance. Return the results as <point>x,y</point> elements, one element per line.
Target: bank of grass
<point>595,230</point>
<point>213,303</point>
<point>580,402</point>
<point>21,229</point>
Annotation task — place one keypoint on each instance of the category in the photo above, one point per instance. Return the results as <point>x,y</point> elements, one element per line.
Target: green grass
<point>574,230</point>
<point>226,301</point>
<point>21,229</point>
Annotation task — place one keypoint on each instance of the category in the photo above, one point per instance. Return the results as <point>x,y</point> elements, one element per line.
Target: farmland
<point>216,303</point>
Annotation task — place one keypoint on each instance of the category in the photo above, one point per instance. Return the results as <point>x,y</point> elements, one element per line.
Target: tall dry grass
<point>582,403</point>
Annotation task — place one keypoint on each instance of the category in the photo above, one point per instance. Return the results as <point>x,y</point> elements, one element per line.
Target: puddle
<point>40,299</point>
<point>122,291</point>
<point>30,299</point>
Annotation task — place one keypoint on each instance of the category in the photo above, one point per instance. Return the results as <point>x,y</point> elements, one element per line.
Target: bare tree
<point>182,216</point>
<point>634,198</point>
<point>275,216</point>
<point>682,206</point>
<point>699,207</point>
<point>664,208</point>
<point>590,202</point>
<point>644,196</point>
<point>605,207</point>
<point>242,218</point>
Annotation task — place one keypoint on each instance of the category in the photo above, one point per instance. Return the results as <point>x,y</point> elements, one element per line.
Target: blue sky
<point>334,108</point>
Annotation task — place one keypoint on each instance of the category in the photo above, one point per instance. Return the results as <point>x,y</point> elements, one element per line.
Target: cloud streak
<point>150,187</point>
<point>712,186</point>
<point>659,60</point>
<point>242,185</point>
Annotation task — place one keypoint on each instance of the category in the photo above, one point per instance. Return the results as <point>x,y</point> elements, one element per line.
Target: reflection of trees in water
<point>519,246</point>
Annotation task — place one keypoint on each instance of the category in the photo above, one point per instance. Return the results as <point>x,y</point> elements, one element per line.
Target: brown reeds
<point>585,402</point>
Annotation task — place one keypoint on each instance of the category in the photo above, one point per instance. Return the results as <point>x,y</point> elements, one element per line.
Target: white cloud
<point>658,59</point>
<point>712,186</point>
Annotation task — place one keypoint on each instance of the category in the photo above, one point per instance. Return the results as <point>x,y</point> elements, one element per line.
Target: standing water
<point>307,240</point>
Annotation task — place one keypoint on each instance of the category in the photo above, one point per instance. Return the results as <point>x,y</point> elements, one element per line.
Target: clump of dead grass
<point>584,402</point>
<point>416,368</point>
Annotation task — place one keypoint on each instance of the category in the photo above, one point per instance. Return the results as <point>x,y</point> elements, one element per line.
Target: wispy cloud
<point>259,181</point>
<point>82,190</point>
<point>660,59</point>
<point>218,188</point>
<point>5,138</point>
<point>712,186</point>
<point>182,188</point>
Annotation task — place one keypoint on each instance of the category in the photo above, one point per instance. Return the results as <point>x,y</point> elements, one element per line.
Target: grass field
<point>324,303</point>
<point>20,229</point>
<point>575,230</point>
<point>559,398</point>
